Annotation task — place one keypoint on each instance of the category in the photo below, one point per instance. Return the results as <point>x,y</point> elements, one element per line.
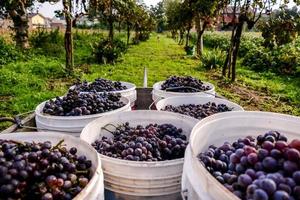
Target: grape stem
<point>107,130</point>
<point>58,144</point>
<point>110,125</point>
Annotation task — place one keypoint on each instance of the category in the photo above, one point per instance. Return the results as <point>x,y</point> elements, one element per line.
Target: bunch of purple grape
<point>41,171</point>
<point>184,84</point>
<point>100,85</point>
<point>261,169</point>
<point>198,111</point>
<point>77,104</point>
<point>151,143</point>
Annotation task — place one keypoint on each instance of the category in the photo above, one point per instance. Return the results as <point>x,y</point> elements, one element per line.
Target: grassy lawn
<point>24,84</point>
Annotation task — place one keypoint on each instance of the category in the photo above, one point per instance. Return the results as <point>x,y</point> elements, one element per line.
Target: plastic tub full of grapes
<point>237,132</point>
<point>71,124</point>
<point>130,91</point>
<point>60,144</point>
<point>194,105</point>
<point>143,179</point>
<point>159,93</point>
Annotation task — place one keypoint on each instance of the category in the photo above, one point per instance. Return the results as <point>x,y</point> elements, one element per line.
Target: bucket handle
<point>154,102</point>
<point>184,194</point>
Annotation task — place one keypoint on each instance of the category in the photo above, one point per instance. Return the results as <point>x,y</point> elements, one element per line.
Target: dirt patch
<point>249,98</point>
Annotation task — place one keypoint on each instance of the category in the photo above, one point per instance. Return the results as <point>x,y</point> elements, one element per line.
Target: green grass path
<point>162,58</point>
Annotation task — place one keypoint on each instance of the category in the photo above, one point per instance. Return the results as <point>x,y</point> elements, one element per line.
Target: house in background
<point>37,20</point>
<point>57,23</point>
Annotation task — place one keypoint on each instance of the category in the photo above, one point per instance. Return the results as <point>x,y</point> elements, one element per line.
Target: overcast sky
<point>48,10</point>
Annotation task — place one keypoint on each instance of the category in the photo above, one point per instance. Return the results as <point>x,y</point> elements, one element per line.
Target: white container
<point>129,93</point>
<point>140,180</point>
<point>158,93</point>
<point>95,188</point>
<point>70,124</point>
<point>197,183</point>
<point>177,101</point>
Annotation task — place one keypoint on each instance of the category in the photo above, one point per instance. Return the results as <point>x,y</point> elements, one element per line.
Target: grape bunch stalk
<point>150,143</point>
<point>30,170</point>
<point>99,85</point>
<point>198,111</point>
<point>184,84</point>
<point>265,168</point>
<point>78,104</point>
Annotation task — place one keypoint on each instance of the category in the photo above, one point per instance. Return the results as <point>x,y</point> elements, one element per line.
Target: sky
<point>48,10</point>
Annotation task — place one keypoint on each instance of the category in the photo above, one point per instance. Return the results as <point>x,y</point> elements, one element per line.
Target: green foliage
<point>50,43</point>
<point>222,41</point>
<point>8,52</point>
<point>286,59</point>
<point>282,27</point>
<point>107,52</point>
<point>282,60</point>
<point>258,59</point>
<point>215,40</point>
<point>213,59</point>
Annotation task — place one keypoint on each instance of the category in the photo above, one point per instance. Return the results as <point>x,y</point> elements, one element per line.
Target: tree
<point>127,16</point>
<point>72,10</point>
<point>282,27</point>
<point>107,10</point>
<point>245,13</point>
<point>17,10</point>
<point>172,13</point>
<point>158,13</point>
<point>205,12</point>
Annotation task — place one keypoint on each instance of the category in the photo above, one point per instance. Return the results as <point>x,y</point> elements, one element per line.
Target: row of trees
<point>183,15</point>
<point>130,13</point>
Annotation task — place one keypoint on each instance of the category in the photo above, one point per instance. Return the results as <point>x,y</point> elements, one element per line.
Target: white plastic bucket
<point>197,182</point>
<point>70,124</point>
<point>129,93</point>
<point>158,93</point>
<point>95,188</point>
<point>177,101</point>
<point>140,180</point>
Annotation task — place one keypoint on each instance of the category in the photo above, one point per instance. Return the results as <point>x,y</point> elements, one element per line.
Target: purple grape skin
<point>268,185</point>
<point>281,195</point>
<point>293,154</point>
<point>252,158</point>
<point>260,194</point>
<point>290,166</point>
<point>269,163</point>
<point>244,180</point>
<point>285,188</point>
<point>296,177</point>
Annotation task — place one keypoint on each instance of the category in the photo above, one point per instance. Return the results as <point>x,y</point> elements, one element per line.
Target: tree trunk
<point>128,33</point>
<point>200,30</point>
<point>181,34</point>
<point>119,27</point>
<point>231,58</point>
<point>110,23</point>
<point>68,38</point>
<point>20,28</point>
<point>187,42</point>
<point>236,49</point>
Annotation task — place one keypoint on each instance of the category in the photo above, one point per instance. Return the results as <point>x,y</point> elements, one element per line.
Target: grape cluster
<point>100,85</point>
<point>41,171</point>
<point>198,111</point>
<point>77,104</point>
<point>261,169</point>
<point>151,143</point>
<point>184,84</point>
